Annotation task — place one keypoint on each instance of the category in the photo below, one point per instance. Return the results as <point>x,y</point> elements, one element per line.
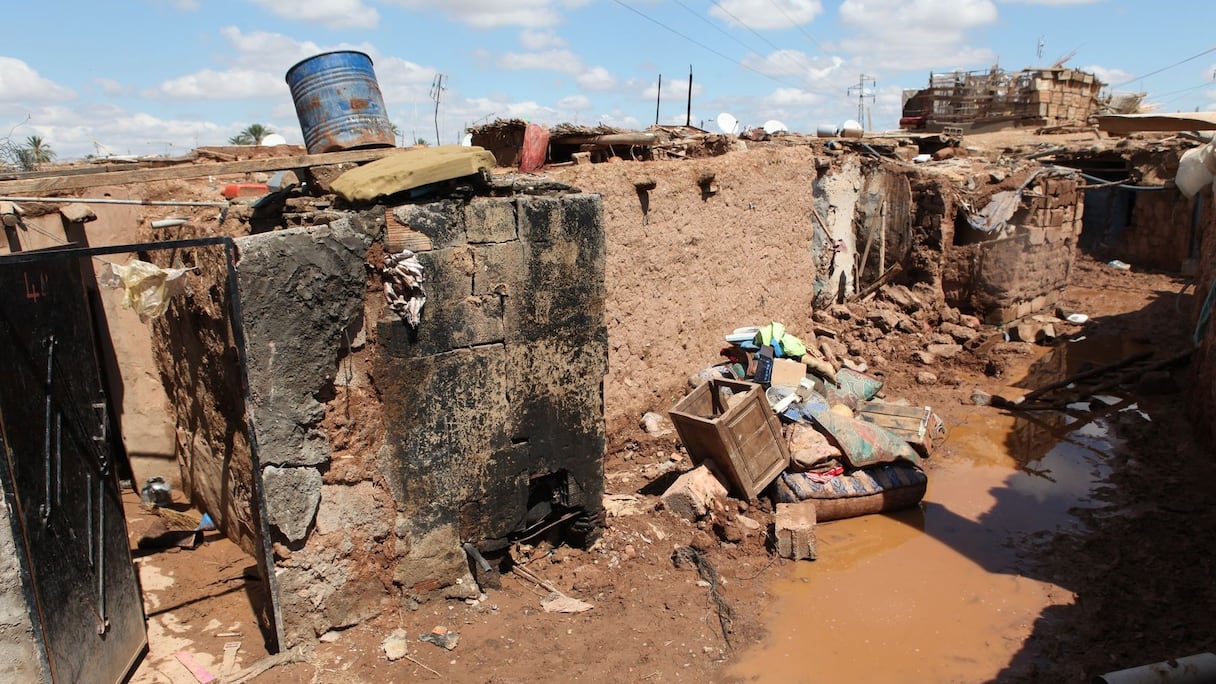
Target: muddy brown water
<point>938,593</point>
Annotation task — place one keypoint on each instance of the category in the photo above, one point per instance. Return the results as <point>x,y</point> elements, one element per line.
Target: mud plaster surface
<point>690,270</point>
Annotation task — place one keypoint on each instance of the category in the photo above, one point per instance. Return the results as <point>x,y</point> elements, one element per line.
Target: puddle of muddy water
<point>937,594</point>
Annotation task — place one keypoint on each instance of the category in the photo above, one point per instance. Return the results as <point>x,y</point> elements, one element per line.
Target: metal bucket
<point>338,102</point>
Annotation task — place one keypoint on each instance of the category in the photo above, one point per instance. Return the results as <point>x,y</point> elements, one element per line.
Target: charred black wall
<point>496,399</point>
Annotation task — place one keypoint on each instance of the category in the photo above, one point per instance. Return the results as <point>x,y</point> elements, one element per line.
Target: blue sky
<point>160,76</point>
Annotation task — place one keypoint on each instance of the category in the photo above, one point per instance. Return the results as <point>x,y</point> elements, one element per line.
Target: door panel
<point>57,452</point>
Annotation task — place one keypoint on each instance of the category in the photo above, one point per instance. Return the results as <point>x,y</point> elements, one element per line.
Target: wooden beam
<point>42,186</point>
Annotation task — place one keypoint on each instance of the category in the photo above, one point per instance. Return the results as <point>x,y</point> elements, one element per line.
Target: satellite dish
<point>774,126</point>
<point>273,139</point>
<point>727,123</point>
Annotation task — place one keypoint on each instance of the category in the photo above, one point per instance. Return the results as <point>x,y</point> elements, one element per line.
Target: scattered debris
<point>395,645</point>
<point>442,637</point>
<point>794,528</point>
<point>557,602</point>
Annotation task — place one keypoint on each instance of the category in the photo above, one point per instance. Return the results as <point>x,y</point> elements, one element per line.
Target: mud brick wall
<point>1009,278</point>
<point>1160,232</point>
<point>1203,408</point>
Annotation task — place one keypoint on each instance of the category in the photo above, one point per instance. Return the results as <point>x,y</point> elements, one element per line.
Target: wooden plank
<point>41,186</point>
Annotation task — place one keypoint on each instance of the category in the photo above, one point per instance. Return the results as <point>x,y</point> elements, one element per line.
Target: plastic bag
<point>784,345</point>
<point>148,287</point>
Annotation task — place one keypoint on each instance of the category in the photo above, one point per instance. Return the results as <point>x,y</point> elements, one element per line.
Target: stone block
<point>581,158</point>
<point>490,220</point>
<point>76,212</point>
<point>960,333</point>
<point>499,269</point>
<point>944,351</point>
<point>795,530</point>
<point>292,496</point>
<point>442,222</point>
<point>692,494</point>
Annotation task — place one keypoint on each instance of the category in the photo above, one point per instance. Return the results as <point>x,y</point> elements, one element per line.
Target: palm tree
<point>35,153</point>
<point>252,135</point>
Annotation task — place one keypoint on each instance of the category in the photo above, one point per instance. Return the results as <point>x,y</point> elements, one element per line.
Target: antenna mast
<point>436,95</point>
<point>862,94</point>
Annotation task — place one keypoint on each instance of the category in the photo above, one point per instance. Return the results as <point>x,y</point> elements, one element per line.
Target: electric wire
<point>742,23</point>
<point>704,46</point>
<point>716,27</point>
<point>797,55</point>
<point>795,24</point>
<point>1165,68</point>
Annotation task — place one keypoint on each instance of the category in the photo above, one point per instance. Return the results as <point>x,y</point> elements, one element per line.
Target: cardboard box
<point>787,373</point>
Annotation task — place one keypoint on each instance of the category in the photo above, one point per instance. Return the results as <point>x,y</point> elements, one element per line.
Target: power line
<point>704,46</point>
<point>739,21</point>
<point>716,27</point>
<point>1165,68</point>
<point>802,58</point>
<point>795,24</point>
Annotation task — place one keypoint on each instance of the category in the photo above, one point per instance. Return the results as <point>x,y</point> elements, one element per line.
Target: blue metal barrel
<point>338,102</point>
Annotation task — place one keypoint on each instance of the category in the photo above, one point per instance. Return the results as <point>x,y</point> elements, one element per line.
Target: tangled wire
<point>707,572</point>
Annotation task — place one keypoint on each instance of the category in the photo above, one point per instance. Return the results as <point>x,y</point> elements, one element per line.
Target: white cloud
<point>794,63</point>
<point>488,14</point>
<point>1051,2</point>
<point>222,85</point>
<point>564,61</point>
<point>111,87</point>
<point>596,78</point>
<point>330,13</point>
<point>619,119</point>
<point>1109,76</point>
<point>110,129</point>
<point>574,102</point>
<point>767,14</point>
<point>680,89</point>
<point>784,97</point>
<point>542,39</point>
<point>903,35</point>
<point>21,83</point>
<point>182,5</point>
<point>507,110</point>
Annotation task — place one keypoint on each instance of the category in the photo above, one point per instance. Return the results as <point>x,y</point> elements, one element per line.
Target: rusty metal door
<point>57,462</point>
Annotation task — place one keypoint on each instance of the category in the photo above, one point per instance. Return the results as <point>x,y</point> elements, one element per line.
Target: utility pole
<point>862,94</point>
<point>688,114</point>
<point>657,99</point>
<point>436,95</point>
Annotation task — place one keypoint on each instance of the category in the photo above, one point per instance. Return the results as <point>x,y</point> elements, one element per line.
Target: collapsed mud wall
<point>712,245</point>
<point>1022,270</point>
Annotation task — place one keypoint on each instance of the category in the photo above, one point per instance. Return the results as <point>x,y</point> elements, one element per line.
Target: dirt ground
<point>1140,573</point>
